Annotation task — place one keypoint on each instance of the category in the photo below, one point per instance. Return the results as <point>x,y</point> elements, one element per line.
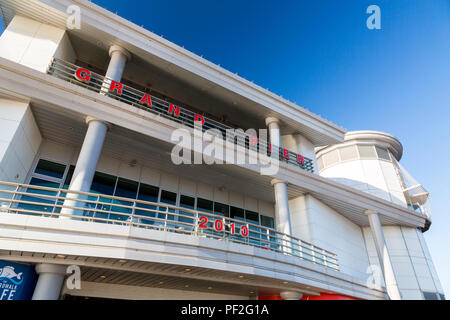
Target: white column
<point>283,218</point>
<point>93,141</point>
<point>383,255</point>
<point>119,58</point>
<point>291,295</point>
<point>273,125</point>
<point>86,165</point>
<point>50,281</point>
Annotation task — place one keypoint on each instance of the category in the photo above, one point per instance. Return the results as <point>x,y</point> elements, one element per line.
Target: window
<point>68,177</point>
<point>330,158</point>
<point>126,189</point>
<point>204,205</point>
<point>188,203</point>
<point>348,153</point>
<point>221,209</point>
<point>382,153</point>
<point>102,184</point>
<point>252,216</point>
<point>168,198</point>
<point>237,213</point>
<point>51,169</point>
<point>267,222</point>
<point>430,295</point>
<point>366,152</point>
<point>150,194</point>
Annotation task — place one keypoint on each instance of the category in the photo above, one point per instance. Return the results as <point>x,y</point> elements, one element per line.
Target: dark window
<point>69,177</point>
<point>168,197</point>
<point>187,202</point>
<point>252,216</point>
<point>382,153</point>
<point>204,205</point>
<point>267,222</point>
<point>221,209</point>
<point>430,295</point>
<point>126,188</point>
<point>441,296</point>
<point>237,213</point>
<point>147,193</point>
<point>51,169</point>
<point>103,183</point>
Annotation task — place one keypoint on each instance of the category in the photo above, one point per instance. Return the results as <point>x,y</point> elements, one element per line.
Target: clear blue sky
<point>321,55</point>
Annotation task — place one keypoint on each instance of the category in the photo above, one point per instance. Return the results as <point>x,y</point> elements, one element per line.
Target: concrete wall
<point>376,177</point>
<point>19,140</point>
<point>413,268</point>
<point>320,225</point>
<point>149,174</point>
<point>33,44</point>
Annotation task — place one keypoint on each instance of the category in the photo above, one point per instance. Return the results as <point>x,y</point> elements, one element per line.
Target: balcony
<point>126,94</point>
<point>98,208</point>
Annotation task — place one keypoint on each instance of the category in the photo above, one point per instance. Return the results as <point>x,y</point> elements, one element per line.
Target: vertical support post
<point>383,255</point>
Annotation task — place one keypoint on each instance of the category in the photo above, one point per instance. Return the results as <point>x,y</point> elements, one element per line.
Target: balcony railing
<point>98,208</point>
<point>101,84</point>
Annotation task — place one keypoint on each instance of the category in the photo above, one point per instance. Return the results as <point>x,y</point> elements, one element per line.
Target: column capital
<point>50,268</point>
<point>90,119</point>
<point>291,295</point>
<point>270,120</point>
<point>369,212</point>
<point>276,181</point>
<point>115,48</point>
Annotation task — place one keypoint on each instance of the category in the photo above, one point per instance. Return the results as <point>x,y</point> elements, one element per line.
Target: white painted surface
<point>299,144</point>
<point>34,44</point>
<point>314,222</point>
<point>19,140</point>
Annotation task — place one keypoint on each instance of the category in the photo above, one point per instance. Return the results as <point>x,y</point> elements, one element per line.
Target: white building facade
<point>88,181</point>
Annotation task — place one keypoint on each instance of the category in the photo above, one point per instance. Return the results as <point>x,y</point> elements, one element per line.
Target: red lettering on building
<point>199,118</point>
<point>253,140</point>
<point>116,86</point>
<point>83,74</point>
<point>146,99</point>
<point>300,159</point>
<point>286,153</point>
<point>174,110</point>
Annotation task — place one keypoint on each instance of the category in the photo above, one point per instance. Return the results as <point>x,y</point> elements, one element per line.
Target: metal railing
<point>101,84</point>
<point>99,208</point>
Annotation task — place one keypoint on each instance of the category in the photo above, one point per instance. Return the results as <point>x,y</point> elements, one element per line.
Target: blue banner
<point>17,281</point>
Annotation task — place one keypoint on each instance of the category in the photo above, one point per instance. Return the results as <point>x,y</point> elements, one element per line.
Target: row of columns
<point>51,276</point>
<point>283,221</point>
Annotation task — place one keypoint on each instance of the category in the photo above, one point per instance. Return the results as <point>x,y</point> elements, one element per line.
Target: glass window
<point>267,222</point>
<point>252,216</point>
<point>49,168</point>
<point>168,198</point>
<point>188,203</point>
<point>44,204</point>
<point>102,184</point>
<point>204,205</point>
<point>430,295</point>
<point>221,209</point>
<point>147,193</point>
<point>68,177</point>
<point>366,152</point>
<point>330,158</point>
<point>126,189</point>
<point>382,153</point>
<point>237,213</point>
<point>348,153</point>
